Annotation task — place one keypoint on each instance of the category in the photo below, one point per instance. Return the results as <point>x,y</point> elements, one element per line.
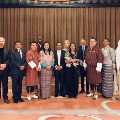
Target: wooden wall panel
<point>117,24</point>
<point>86,25</point>
<point>108,21</point>
<point>80,23</point>
<point>69,24</point>
<point>58,24</point>
<point>113,26</point>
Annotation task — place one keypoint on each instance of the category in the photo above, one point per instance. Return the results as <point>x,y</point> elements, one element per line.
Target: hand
<point>37,68</point>
<point>3,66</point>
<point>76,60</point>
<point>85,68</point>
<point>58,67</point>
<point>48,67</point>
<point>114,68</point>
<point>73,60</point>
<point>69,61</point>
<point>98,71</point>
<point>22,67</point>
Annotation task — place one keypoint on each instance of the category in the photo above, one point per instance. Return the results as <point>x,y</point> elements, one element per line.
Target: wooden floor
<point>82,108</point>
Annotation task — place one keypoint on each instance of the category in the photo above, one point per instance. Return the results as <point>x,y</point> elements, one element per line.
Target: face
<point>46,46</point>
<point>2,42</point>
<point>82,42</point>
<point>33,46</point>
<point>18,46</point>
<point>66,44</point>
<point>39,38</point>
<point>106,43</point>
<point>59,46</point>
<point>72,47</point>
<point>93,42</point>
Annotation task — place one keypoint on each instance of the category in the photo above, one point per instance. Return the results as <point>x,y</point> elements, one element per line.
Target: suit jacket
<point>80,52</point>
<point>16,62</point>
<point>62,60</point>
<point>6,60</point>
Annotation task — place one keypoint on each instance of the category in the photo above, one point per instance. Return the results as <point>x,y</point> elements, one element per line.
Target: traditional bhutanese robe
<point>32,74</point>
<point>46,75</point>
<point>94,58</point>
<point>107,71</point>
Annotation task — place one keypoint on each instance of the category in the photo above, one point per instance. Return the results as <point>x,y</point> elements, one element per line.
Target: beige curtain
<point>58,24</point>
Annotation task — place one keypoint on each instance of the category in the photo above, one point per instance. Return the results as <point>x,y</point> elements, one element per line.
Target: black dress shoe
<point>6,101</point>
<point>87,92</point>
<point>15,100</point>
<point>75,96</point>
<point>70,96</point>
<point>63,95</point>
<point>21,100</point>
<point>82,91</point>
<point>56,95</point>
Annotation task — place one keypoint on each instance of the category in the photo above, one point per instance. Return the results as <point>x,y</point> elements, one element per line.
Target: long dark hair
<point>48,49</point>
<point>70,46</point>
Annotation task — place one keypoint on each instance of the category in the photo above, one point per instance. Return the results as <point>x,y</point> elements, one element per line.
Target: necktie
<point>19,53</point>
<point>83,49</point>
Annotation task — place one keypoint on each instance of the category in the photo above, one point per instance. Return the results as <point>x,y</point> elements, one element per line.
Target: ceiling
<point>79,1</point>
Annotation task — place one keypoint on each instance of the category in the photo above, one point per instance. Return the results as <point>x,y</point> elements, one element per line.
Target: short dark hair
<point>18,42</point>
<point>58,42</point>
<point>94,38</point>
<point>39,35</point>
<point>107,39</point>
<point>32,42</point>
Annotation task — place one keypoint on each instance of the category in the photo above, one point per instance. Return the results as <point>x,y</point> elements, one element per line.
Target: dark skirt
<point>107,80</point>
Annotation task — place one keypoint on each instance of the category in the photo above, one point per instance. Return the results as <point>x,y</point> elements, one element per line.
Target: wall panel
<point>58,24</point>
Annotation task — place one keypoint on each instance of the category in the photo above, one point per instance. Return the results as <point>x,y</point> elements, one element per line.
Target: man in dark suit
<point>18,64</point>
<point>59,55</point>
<point>4,69</point>
<point>81,54</point>
<point>39,43</point>
<point>39,48</point>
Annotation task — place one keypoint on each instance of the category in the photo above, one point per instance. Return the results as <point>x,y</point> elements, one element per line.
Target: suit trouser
<point>4,80</point>
<point>17,85</point>
<point>59,81</point>
<point>84,74</point>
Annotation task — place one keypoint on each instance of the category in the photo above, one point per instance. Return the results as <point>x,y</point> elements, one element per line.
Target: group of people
<point>90,62</point>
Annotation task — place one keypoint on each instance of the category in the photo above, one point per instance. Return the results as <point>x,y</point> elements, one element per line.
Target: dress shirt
<point>59,55</point>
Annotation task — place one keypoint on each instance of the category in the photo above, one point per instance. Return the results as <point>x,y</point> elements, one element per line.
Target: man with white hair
<point>4,68</point>
<point>81,55</point>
